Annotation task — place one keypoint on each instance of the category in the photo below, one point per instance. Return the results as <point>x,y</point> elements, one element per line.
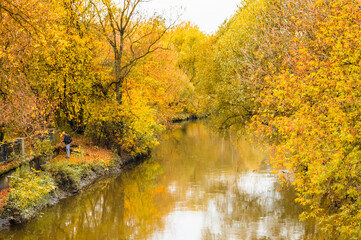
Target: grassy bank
<point>32,190</point>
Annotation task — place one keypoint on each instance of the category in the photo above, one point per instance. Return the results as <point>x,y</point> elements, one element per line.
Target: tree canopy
<point>94,67</point>
<point>290,71</point>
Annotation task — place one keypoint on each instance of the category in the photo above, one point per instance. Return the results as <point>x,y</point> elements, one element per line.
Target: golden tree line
<point>96,67</point>
<point>290,70</point>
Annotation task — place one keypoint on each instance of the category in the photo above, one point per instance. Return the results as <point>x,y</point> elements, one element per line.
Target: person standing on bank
<point>67,140</point>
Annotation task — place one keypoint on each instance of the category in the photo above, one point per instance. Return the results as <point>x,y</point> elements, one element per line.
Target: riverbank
<point>33,190</point>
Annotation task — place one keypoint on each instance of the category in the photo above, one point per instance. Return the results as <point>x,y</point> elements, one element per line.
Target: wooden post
<point>3,157</point>
<point>6,149</point>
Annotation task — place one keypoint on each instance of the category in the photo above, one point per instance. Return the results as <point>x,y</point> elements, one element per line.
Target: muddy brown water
<point>198,185</point>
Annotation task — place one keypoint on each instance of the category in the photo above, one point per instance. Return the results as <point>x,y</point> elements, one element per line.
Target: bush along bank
<point>32,190</point>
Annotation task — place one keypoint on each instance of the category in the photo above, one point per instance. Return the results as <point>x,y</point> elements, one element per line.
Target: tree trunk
<point>119,91</point>
<point>118,76</point>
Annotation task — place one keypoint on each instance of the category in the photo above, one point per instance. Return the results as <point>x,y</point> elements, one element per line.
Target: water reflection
<point>120,207</point>
<point>223,189</point>
<point>197,185</point>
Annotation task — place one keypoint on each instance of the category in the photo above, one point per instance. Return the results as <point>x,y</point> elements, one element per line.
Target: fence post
<point>6,149</point>
<point>21,146</point>
<point>3,156</point>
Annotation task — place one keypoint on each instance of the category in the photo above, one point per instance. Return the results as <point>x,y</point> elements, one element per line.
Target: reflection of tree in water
<point>212,175</point>
<point>227,189</point>
<point>189,153</point>
<point>121,208</point>
<point>249,206</point>
<point>142,212</point>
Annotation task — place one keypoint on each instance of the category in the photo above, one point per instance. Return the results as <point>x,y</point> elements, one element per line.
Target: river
<point>198,185</point>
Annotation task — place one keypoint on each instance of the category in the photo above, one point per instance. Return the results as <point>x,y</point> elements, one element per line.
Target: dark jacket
<point>67,139</point>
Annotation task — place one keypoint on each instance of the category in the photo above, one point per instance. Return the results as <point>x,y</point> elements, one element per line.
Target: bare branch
<point>133,38</point>
<point>18,15</point>
<point>103,29</point>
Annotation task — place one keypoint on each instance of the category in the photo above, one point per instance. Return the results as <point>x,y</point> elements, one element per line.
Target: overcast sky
<point>207,14</point>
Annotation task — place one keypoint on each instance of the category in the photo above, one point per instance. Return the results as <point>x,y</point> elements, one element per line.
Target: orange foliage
<point>6,165</point>
<point>85,152</point>
<point>3,194</point>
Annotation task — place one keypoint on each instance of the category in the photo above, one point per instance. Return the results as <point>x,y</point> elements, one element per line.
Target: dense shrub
<point>43,149</point>
<point>68,175</point>
<point>28,193</point>
<point>128,128</point>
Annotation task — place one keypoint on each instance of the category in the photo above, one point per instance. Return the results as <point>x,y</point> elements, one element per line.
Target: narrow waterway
<point>197,185</point>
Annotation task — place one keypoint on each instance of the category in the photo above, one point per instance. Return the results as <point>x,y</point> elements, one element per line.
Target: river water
<point>197,185</point>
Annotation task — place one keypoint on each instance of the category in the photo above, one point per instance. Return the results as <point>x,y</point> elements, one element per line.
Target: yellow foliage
<point>291,71</point>
<point>312,110</point>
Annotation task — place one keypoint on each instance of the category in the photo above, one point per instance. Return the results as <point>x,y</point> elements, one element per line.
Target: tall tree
<point>312,109</point>
<point>130,35</point>
<point>20,29</point>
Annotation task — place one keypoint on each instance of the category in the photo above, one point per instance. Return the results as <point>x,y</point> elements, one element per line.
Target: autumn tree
<point>21,111</point>
<point>291,70</point>
<point>157,91</point>
<point>313,112</point>
<point>189,43</point>
<point>67,64</point>
<point>130,35</point>
<point>62,60</point>
<point>252,44</point>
